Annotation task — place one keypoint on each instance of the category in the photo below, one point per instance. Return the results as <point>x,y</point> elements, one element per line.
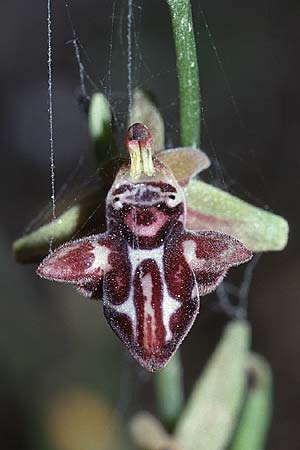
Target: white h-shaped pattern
<point>169,304</point>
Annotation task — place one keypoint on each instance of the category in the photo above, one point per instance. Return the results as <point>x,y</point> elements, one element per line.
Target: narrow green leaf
<point>187,67</point>
<point>145,111</point>
<point>210,208</point>
<point>256,415</point>
<point>100,127</point>
<point>211,413</point>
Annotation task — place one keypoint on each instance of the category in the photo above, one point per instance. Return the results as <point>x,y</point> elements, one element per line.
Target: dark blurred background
<point>61,368</point>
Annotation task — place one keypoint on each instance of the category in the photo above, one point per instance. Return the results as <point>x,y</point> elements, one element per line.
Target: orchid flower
<point>147,267</point>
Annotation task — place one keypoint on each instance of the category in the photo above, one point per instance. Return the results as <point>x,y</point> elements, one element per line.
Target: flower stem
<point>187,67</point>
<point>169,391</point>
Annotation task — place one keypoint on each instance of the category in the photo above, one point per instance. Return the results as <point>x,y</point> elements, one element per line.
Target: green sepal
<point>33,246</point>
<point>80,212</point>
<point>210,208</point>
<point>144,111</point>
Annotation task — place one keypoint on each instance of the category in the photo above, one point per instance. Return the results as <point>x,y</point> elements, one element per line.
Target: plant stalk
<point>169,392</point>
<point>188,74</point>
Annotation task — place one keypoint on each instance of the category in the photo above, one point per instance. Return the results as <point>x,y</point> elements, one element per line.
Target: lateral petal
<point>77,262</point>
<point>185,162</point>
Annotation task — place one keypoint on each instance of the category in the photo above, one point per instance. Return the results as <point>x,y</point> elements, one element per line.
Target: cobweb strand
<point>129,54</point>
<point>233,300</point>
<point>81,68</point>
<point>50,113</point>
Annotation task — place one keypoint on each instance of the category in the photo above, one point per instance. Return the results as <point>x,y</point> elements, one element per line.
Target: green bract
<point>256,414</point>
<point>229,407</point>
<point>209,418</point>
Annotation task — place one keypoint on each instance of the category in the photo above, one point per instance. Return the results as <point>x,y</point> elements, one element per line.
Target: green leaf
<point>256,415</point>
<point>211,413</point>
<point>145,111</point>
<point>209,208</point>
<point>100,127</point>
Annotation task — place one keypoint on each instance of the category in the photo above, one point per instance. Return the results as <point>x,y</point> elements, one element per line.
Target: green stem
<point>188,75</point>
<point>169,391</point>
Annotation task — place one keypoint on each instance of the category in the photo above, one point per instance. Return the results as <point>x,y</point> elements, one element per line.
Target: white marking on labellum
<point>149,314</point>
<point>143,194</point>
<point>189,252</point>
<point>101,254</point>
<point>169,304</point>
